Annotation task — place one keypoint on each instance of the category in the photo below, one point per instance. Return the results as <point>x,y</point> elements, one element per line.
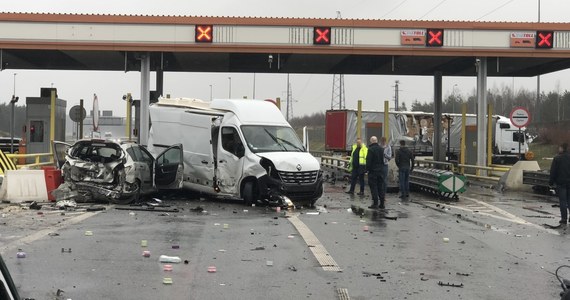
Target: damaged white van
<point>236,149</point>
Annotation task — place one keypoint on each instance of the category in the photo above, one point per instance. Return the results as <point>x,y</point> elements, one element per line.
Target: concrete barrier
<point>513,179</point>
<point>24,185</point>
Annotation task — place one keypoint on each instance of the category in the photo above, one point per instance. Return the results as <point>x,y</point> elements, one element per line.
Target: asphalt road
<point>493,244</point>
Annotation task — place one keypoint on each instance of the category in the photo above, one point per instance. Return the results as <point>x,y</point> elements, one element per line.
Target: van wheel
<point>248,193</point>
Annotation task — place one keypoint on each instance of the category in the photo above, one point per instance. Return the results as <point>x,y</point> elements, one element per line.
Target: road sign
<point>520,117</point>
<point>321,35</point>
<point>413,37</point>
<point>434,37</point>
<point>544,39</point>
<point>204,33</point>
<point>77,114</point>
<point>523,39</point>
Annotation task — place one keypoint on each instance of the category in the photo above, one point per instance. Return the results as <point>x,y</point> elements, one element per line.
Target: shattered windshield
<point>99,152</point>
<point>271,139</point>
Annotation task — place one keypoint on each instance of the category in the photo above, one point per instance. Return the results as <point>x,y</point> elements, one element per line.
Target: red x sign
<point>204,34</point>
<point>544,39</point>
<point>434,37</point>
<point>322,36</point>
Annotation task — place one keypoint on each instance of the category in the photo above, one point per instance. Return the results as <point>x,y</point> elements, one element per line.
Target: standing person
<point>405,163</point>
<point>374,167</point>
<point>386,157</point>
<point>560,174</point>
<point>358,164</point>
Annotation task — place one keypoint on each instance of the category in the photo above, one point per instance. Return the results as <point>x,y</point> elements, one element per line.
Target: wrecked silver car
<point>105,170</point>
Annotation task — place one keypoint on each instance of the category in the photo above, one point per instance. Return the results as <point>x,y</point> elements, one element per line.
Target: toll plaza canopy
<point>280,45</point>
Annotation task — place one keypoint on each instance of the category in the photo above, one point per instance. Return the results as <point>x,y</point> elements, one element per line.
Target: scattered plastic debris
<point>226,226</point>
<point>63,204</point>
<point>34,205</point>
<point>169,259</point>
<point>167,280</point>
<point>146,253</point>
<point>258,248</point>
<point>132,213</point>
<point>175,246</point>
<point>292,268</point>
<point>63,250</point>
<point>462,274</point>
<point>446,240</point>
<point>212,269</point>
<point>222,250</point>
<point>167,268</point>
<point>365,228</point>
<point>269,263</point>
<point>290,237</point>
<point>20,254</point>
<point>88,233</point>
<point>316,213</point>
<point>144,243</point>
<point>53,234</point>
<point>440,283</point>
<point>186,261</point>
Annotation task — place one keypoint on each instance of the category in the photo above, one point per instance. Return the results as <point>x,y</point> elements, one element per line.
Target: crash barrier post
<point>6,163</point>
<point>335,162</point>
<point>441,183</point>
<point>24,185</point>
<point>53,180</point>
<point>37,159</point>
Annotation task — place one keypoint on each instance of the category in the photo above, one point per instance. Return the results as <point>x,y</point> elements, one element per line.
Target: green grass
<point>543,151</point>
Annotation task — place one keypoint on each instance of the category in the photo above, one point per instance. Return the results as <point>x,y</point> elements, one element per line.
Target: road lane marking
<point>42,233</point>
<point>342,294</point>
<point>512,217</point>
<point>321,254</point>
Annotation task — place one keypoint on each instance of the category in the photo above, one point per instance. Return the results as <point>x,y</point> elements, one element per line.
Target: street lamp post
<point>454,99</point>
<point>230,90</point>
<point>12,121</point>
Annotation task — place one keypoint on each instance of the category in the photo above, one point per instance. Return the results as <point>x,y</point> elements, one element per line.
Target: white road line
<point>44,232</point>
<point>342,294</point>
<point>512,217</point>
<point>321,254</point>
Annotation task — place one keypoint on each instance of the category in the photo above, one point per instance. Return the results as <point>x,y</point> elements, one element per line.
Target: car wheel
<point>248,193</point>
<point>134,196</point>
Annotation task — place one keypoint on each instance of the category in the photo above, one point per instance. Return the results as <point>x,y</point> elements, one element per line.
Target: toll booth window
<point>231,141</point>
<point>37,131</point>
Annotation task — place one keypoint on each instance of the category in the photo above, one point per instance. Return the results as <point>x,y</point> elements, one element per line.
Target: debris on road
<point>169,259</point>
<point>53,234</point>
<point>269,263</point>
<point>167,268</point>
<point>424,279</point>
<point>175,246</point>
<point>212,269</point>
<point>462,274</point>
<point>146,253</point>
<point>440,283</point>
<point>88,233</point>
<point>64,204</point>
<point>34,205</point>
<point>446,240</point>
<point>63,250</point>
<point>144,243</point>
<point>167,280</point>
<point>292,268</point>
<point>150,208</point>
<point>258,248</point>
<point>20,254</point>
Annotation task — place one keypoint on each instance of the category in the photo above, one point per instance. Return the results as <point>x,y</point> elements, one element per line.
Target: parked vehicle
<point>237,149</point>
<point>117,173</point>
<point>417,128</point>
<point>6,142</point>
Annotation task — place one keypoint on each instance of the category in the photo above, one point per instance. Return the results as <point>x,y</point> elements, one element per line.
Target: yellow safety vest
<point>362,154</point>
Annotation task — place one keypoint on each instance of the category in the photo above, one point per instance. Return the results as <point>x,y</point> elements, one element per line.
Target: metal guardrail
<point>37,159</point>
<point>320,153</point>
<point>335,162</point>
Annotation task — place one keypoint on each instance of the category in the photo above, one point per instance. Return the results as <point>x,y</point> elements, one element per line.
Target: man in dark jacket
<point>560,174</point>
<point>405,163</point>
<point>374,162</point>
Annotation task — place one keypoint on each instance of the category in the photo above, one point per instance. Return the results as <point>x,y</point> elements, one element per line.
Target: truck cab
<point>507,138</point>
<point>237,149</point>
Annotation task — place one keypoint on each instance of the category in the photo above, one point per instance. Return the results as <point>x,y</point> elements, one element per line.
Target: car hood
<point>291,161</point>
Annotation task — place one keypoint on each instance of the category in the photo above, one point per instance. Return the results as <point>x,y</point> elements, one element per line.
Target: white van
<point>236,149</point>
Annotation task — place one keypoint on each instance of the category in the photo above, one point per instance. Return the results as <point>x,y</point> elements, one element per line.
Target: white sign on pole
<point>520,117</point>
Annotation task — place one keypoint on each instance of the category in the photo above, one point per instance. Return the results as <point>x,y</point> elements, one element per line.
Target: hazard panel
<point>544,39</point>
<point>321,35</point>
<point>434,37</point>
<point>204,34</point>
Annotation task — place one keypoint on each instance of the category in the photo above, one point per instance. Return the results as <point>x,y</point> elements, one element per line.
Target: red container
<point>53,180</point>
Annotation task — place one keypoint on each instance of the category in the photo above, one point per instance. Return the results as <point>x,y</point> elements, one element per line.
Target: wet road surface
<point>491,243</point>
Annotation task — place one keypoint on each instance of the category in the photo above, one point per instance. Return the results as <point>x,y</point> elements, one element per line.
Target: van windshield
<point>271,139</point>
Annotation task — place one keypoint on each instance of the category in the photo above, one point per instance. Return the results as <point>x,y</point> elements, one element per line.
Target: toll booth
<point>38,110</point>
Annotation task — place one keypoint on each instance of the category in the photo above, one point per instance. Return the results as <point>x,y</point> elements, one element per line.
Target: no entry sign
<point>520,117</point>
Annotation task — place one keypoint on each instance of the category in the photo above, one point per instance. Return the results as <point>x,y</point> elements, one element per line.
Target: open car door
<point>7,287</point>
<point>169,168</point>
<point>59,152</point>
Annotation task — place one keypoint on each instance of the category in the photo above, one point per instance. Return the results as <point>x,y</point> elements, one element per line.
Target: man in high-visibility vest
<point>357,165</point>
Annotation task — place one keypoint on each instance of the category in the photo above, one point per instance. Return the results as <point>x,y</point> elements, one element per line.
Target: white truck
<point>237,149</point>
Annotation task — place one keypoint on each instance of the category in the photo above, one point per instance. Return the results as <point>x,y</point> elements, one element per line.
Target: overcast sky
<point>312,92</point>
